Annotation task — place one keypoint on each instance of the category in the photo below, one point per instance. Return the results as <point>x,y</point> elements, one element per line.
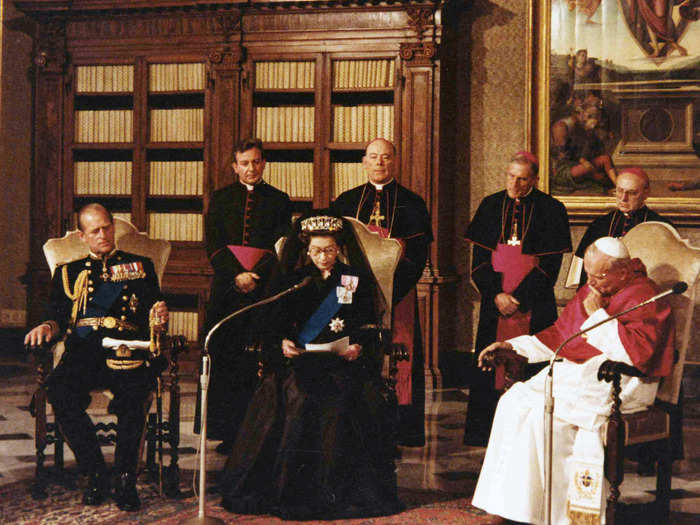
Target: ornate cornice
<point>420,18</point>
<point>156,24</point>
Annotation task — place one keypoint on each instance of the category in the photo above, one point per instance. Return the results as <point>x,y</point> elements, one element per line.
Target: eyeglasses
<point>627,193</point>
<point>597,277</point>
<point>315,252</point>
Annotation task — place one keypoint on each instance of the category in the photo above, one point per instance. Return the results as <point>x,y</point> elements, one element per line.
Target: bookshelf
<point>315,117</point>
<point>138,147</point>
<point>138,106</point>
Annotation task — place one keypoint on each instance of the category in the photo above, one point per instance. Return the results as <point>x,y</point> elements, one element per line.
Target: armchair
<point>158,431</point>
<point>668,259</point>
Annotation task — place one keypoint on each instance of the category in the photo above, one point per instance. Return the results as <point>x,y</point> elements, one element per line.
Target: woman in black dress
<point>317,439</point>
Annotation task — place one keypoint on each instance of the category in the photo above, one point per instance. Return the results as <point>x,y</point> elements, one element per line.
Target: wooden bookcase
<point>138,105</point>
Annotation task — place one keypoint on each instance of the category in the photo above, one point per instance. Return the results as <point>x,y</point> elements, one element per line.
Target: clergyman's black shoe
<point>97,488</point>
<point>125,494</point>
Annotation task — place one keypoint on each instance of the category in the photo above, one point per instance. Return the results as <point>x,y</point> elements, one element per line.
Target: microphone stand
<point>678,288</point>
<point>202,518</point>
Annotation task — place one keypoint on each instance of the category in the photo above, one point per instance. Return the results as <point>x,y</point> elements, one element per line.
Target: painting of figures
<point>624,90</point>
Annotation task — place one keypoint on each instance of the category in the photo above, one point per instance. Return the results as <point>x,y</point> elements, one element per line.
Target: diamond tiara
<point>322,223</point>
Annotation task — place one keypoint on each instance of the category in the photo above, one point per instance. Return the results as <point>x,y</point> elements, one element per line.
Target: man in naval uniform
<point>631,192</point>
<point>394,211</point>
<point>518,236</point>
<point>244,221</point>
<point>113,294</point>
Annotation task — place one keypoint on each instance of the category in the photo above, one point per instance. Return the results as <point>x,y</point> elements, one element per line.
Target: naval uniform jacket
<point>132,276</point>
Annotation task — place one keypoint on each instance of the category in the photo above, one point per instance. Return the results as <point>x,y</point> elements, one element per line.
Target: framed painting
<point>616,84</point>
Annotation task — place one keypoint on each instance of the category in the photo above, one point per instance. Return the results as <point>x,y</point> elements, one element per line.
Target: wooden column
<point>420,171</point>
<point>46,189</point>
<point>224,80</point>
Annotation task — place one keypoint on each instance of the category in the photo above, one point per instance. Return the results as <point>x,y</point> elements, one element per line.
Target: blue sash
<point>100,304</point>
<point>320,318</point>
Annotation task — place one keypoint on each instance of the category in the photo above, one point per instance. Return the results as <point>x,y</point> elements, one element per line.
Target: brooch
<point>337,325</point>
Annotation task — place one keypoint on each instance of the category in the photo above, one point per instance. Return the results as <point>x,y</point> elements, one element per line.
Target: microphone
<point>261,302</point>
<point>677,288</point>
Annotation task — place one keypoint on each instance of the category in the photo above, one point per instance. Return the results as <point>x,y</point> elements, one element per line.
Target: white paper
<point>338,345</point>
<point>573,278</point>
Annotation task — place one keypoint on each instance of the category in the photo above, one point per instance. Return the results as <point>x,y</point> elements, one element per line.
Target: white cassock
<point>511,483</point>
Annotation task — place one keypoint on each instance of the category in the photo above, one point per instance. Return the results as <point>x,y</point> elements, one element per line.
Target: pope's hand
<point>489,356</point>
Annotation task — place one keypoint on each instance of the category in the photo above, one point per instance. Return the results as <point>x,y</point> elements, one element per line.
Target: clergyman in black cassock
<point>394,211</point>
<point>631,192</point>
<point>518,236</point>
<point>243,222</point>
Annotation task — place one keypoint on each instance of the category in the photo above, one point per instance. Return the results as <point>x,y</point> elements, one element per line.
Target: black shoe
<point>224,448</point>
<point>97,488</point>
<point>125,493</point>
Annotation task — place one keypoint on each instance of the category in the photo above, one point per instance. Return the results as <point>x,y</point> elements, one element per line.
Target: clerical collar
<point>250,187</point>
<point>634,213</point>
<point>523,197</point>
<point>380,187</point>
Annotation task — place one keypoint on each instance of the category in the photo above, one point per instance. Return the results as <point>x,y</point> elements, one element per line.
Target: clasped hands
<point>290,350</point>
<point>246,281</point>
<point>506,304</point>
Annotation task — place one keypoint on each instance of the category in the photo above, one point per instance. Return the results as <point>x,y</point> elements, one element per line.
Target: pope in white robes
<point>511,483</point>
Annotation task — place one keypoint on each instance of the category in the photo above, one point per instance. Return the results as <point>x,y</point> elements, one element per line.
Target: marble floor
<point>443,465</point>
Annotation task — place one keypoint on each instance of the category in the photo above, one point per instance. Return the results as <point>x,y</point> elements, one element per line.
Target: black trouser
<point>82,369</point>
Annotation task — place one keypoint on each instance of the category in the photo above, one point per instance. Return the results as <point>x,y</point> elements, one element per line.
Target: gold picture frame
<point>668,148</point>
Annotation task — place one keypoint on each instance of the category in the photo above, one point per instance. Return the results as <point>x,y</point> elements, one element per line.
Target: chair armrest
<point>609,370</point>
<point>508,367</point>
<point>41,350</point>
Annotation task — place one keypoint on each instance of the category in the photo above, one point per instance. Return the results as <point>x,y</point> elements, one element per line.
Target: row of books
<point>346,175</point>
<point>176,77</point>
<point>177,125</point>
<point>176,226</point>
<point>187,178</point>
<point>363,122</point>
<point>296,179</point>
<point>114,125</point>
<point>110,178</point>
<point>184,323</point>
<point>284,75</point>
<point>176,178</point>
<point>363,74</point>
<point>285,123</point>
<point>123,215</point>
<point>104,79</point>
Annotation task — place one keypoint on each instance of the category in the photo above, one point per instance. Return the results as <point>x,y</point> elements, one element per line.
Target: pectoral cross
<point>514,241</point>
<point>376,216</point>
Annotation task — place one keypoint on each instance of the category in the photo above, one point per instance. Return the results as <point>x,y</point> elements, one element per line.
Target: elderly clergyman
<point>631,192</point>
<point>511,483</point>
